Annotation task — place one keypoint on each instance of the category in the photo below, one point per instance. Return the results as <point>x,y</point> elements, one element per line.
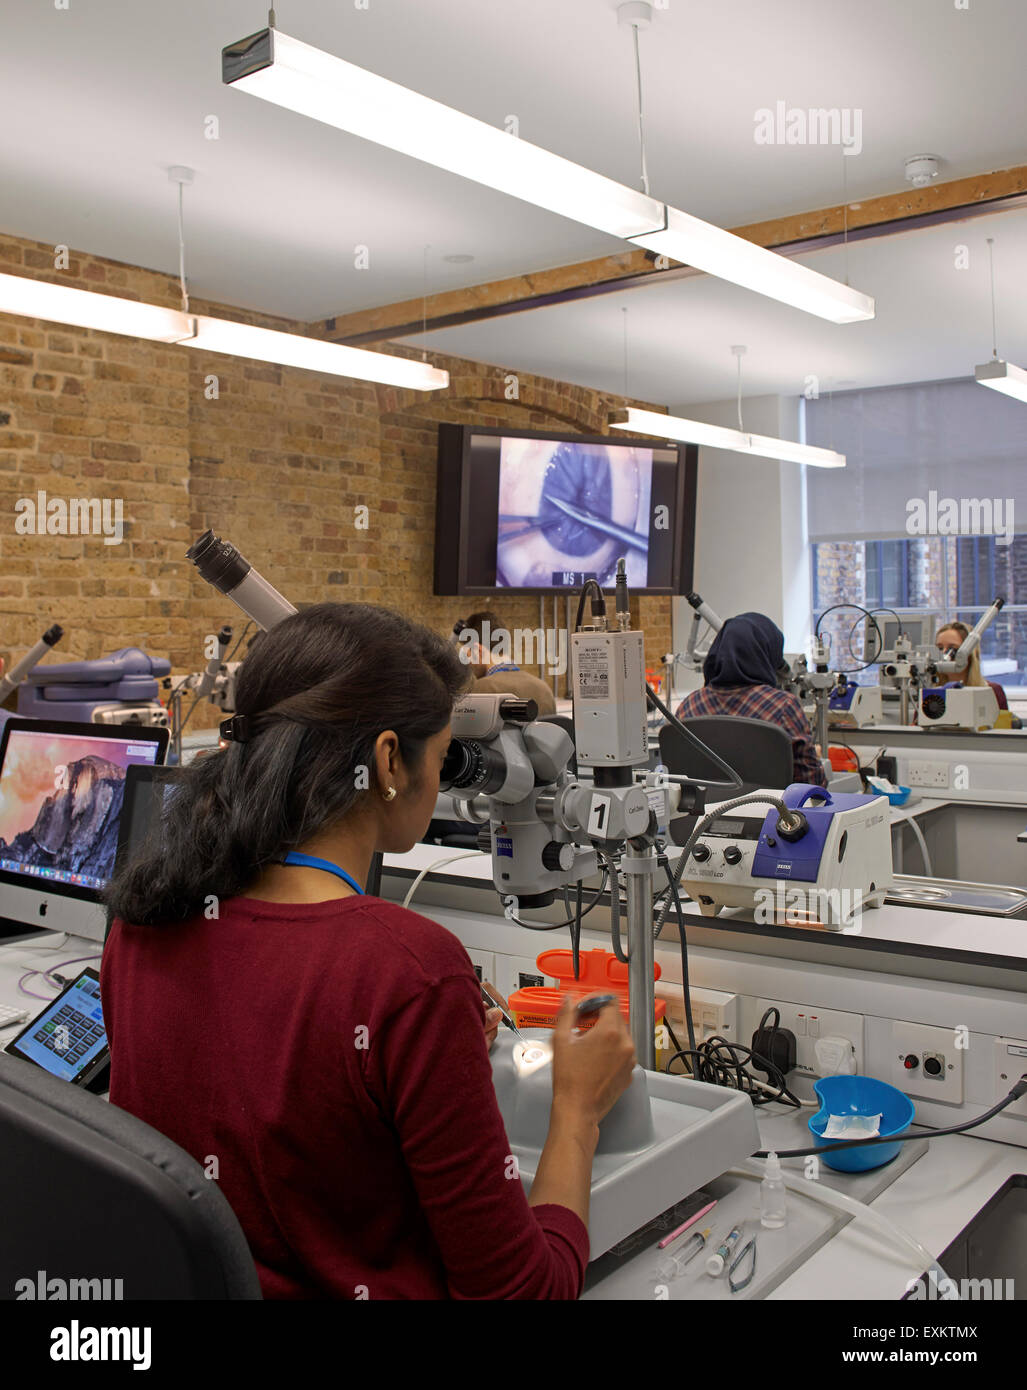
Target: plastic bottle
<point>772,1194</point>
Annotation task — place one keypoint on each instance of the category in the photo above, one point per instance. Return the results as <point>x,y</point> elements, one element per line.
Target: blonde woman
<point>954,635</point>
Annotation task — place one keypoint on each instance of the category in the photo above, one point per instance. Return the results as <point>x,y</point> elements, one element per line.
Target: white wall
<point>751,551</point>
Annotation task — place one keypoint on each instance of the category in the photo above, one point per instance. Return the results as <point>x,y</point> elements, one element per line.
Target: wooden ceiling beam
<point>608,274</point>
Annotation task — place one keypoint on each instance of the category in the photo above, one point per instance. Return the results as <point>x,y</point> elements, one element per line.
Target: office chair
<point>91,1193</point>
<point>759,752</point>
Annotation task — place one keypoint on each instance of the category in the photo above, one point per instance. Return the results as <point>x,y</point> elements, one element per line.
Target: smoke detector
<point>922,169</point>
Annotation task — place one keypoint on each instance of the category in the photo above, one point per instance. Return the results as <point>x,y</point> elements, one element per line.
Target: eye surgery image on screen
<point>567,511</point>
<point>60,802</point>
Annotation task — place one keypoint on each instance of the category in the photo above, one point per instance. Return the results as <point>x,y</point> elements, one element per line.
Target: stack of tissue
<point>853,1127</point>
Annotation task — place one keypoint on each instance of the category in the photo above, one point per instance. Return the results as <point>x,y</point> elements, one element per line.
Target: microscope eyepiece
<point>519,711</point>
<point>218,561</point>
<point>472,764</point>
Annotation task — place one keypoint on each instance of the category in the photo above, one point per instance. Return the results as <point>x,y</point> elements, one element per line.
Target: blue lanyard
<point>309,861</point>
<point>495,670</point>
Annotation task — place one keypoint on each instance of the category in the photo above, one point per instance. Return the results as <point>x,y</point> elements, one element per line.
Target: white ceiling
<point>933,321</point>
<point>101,98</point>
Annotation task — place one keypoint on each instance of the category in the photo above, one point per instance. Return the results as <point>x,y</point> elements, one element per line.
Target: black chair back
<point>760,752</point>
<point>97,1201</point>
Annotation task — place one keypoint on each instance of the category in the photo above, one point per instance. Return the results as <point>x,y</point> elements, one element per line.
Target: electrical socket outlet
<point>808,1023</point>
<point>518,971</point>
<point>1010,1065</point>
<point>935,1070</point>
<point>484,963</point>
<point>714,1013</point>
<point>920,773</point>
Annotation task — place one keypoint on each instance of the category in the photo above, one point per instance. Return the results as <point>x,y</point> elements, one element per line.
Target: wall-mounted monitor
<point>522,511</point>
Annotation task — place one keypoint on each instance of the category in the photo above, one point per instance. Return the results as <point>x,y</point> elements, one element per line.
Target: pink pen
<point>685,1225</point>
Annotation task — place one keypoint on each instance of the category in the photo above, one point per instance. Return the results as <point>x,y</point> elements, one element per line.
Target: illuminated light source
<point>106,313</point>
<point>529,1056</point>
<point>731,257</point>
<point>313,83</point>
<point>310,354</point>
<point>84,309</point>
<point>719,437</point>
<point>1006,377</point>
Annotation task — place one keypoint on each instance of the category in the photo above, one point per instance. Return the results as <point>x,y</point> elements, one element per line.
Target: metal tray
<point>956,895</point>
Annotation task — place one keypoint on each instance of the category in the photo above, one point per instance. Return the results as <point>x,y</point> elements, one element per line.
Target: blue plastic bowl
<point>898,798</point>
<point>860,1095</point>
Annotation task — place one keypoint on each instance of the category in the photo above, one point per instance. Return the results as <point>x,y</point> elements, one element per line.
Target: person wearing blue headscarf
<point>740,671</point>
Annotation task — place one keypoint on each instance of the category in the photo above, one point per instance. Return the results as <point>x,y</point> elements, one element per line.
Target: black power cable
<point>571,920</point>
<point>733,778</point>
<point>686,988</point>
<point>1020,1089</point>
<point>723,1063</point>
<point>853,670</point>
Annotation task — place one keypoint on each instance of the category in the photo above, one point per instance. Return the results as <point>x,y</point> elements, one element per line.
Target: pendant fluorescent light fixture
<point>1000,376</point>
<point>36,299</point>
<point>106,313</point>
<point>59,304</point>
<point>294,350</point>
<point>720,437</point>
<point>1003,376</point>
<point>307,80</point>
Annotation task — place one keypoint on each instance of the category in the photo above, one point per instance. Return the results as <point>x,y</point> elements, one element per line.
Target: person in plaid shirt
<point>741,679</point>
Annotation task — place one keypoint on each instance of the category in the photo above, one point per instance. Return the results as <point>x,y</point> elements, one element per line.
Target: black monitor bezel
<point>452,502</point>
<point>141,781</point>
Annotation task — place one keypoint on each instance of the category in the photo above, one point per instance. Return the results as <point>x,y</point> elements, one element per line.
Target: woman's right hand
<point>591,1070</point>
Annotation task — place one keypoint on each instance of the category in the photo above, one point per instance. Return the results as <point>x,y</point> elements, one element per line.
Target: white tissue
<point>852,1127</point>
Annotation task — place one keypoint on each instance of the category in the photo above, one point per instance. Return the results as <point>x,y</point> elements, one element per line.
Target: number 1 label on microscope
<point>599,816</point>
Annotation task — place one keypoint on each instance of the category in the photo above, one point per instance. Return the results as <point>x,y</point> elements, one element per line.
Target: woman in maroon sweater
<point>323,1053</point>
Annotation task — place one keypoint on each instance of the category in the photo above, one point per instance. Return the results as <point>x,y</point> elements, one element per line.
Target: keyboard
<point>9,1015</point>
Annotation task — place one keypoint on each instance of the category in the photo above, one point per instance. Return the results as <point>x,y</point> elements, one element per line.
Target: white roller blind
<point>955,438</point>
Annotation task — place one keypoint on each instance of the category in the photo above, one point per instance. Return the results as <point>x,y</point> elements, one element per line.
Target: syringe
<point>672,1266</point>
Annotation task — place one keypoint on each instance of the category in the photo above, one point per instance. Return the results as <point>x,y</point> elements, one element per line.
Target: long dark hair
<point>316,690</point>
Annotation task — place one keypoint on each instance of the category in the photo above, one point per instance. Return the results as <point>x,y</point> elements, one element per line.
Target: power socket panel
<point>926,1062</point>
<point>714,1013</point>
<point>808,1023</point>
<point>1010,1065</point>
<point>923,773</point>
<point>518,972</point>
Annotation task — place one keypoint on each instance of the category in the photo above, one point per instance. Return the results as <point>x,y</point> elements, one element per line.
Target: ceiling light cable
<point>739,351</point>
<point>181,252</point>
<point>624,311</point>
<point>994,330</point>
<point>845,214</point>
<point>641,127</point>
<point>424,306</point>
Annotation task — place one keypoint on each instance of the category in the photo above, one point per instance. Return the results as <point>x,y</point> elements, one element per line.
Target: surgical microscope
<point>506,772</point>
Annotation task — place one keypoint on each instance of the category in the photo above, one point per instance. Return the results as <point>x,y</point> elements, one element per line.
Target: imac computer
<point>62,790</point>
<point>146,791</point>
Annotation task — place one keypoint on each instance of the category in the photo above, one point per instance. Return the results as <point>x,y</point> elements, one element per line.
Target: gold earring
<point>389,795</point>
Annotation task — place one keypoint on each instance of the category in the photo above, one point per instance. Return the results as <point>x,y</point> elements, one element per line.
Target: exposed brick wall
<point>277,461</point>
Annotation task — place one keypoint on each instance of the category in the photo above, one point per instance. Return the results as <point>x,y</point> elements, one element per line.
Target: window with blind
<point>928,517</point>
